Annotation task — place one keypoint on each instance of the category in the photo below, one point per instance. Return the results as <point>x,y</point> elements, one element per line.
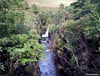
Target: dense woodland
<point>74,35</point>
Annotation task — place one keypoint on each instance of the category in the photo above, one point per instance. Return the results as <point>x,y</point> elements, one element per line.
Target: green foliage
<point>92,27</point>
<point>71,32</point>
<point>99,49</point>
<point>2,67</point>
<point>23,47</point>
<point>61,6</point>
<point>53,28</point>
<point>20,42</point>
<point>72,60</point>
<point>89,14</point>
<point>94,1</point>
<point>18,33</point>
<point>35,9</point>
<point>27,46</point>
<point>9,17</point>
<point>24,5</point>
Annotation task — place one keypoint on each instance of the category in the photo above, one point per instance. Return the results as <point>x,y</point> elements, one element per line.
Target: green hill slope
<point>49,3</point>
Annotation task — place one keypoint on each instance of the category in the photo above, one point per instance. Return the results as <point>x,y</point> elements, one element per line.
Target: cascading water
<point>46,65</point>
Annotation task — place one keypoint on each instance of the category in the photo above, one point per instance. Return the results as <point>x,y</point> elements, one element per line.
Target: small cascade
<point>46,34</point>
<point>46,65</point>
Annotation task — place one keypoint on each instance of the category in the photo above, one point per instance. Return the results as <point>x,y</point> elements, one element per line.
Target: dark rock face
<point>63,66</point>
<point>88,58</point>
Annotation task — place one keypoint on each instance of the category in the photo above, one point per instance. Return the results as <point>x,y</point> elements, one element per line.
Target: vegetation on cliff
<point>74,37</point>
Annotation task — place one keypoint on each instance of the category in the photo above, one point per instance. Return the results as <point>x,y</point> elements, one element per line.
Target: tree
<point>10,16</point>
<point>16,47</point>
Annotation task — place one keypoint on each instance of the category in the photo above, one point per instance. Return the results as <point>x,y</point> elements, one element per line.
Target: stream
<point>46,65</point>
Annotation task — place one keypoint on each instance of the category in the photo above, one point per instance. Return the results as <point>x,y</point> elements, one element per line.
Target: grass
<point>49,3</point>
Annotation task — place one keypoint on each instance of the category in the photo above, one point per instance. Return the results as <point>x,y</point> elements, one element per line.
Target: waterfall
<point>46,33</point>
<point>46,65</point>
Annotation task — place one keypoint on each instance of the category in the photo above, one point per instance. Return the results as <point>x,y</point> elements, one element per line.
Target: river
<point>46,65</point>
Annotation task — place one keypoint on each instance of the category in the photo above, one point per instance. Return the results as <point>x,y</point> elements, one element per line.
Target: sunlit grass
<point>50,3</point>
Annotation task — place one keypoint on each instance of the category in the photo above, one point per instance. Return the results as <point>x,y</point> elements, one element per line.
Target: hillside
<point>49,3</point>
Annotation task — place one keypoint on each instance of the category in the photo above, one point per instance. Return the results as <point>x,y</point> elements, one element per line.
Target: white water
<point>46,33</point>
<point>46,65</point>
